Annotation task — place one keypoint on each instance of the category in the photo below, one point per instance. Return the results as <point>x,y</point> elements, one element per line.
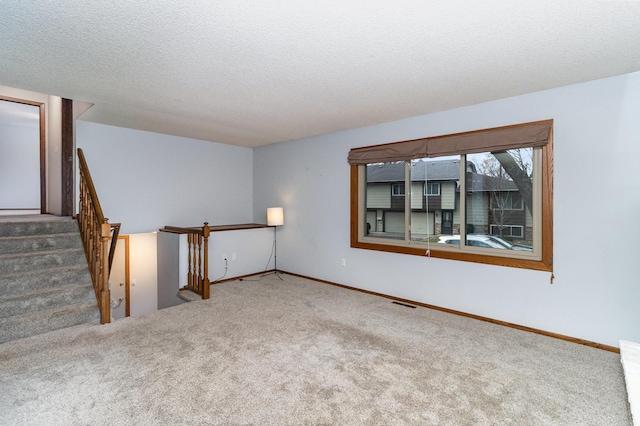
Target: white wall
<point>19,165</point>
<point>248,251</point>
<point>596,291</point>
<point>148,180</point>
<point>143,273</point>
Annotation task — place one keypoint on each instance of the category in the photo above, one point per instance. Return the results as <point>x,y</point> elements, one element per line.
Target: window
<point>432,189</point>
<point>397,189</point>
<point>494,196</point>
<point>507,230</point>
<point>506,201</point>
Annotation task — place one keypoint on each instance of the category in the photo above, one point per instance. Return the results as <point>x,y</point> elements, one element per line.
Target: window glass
<point>434,196</point>
<point>385,200</point>
<point>432,188</point>
<point>499,199</point>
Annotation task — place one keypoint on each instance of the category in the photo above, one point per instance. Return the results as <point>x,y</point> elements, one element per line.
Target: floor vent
<point>404,304</point>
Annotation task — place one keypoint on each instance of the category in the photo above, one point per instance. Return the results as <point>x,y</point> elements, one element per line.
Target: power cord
<point>226,266</point>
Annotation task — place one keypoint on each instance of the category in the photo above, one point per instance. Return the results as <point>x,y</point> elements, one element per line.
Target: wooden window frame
<point>544,263</point>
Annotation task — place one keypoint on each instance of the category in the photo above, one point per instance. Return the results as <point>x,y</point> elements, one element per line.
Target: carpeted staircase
<point>44,279</point>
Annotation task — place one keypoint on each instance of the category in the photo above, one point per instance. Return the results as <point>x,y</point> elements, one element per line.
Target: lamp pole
<point>275,253</point>
<point>275,218</point>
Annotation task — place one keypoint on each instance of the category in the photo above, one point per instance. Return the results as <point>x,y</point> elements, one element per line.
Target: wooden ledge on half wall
<point>216,228</point>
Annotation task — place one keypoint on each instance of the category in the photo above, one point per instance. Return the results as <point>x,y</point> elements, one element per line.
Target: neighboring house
<point>495,203</point>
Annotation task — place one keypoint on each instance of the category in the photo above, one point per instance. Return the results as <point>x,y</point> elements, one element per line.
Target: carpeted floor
<point>301,352</point>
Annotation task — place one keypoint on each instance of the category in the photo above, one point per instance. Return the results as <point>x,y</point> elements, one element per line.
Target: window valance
<point>488,140</point>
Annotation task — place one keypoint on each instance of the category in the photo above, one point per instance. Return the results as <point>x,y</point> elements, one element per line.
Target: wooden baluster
<point>195,262</point>
<point>189,275</point>
<point>205,234</point>
<point>194,275</point>
<point>192,264</point>
<point>199,239</point>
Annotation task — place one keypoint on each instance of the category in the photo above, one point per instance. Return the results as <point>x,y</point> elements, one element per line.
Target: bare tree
<point>514,165</point>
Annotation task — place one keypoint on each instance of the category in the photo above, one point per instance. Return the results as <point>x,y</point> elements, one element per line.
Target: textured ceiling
<point>253,73</point>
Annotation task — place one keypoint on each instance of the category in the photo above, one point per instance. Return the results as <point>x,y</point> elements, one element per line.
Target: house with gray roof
<point>494,204</point>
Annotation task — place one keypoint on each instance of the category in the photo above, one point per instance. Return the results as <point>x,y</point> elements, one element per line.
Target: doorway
<point>22,157</point>
<point>447,222</point>
<point>119,281</point>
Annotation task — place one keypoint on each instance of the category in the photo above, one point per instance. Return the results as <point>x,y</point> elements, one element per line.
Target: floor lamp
<point>275,218</point>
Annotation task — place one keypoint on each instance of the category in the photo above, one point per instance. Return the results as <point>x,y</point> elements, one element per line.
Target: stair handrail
<point>96,231</point>
<point>198,258</point>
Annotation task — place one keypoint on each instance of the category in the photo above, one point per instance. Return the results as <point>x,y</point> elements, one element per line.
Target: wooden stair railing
<point>96,231</point>
<point>198,258</point>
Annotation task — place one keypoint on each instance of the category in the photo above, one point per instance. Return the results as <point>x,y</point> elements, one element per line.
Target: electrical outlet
<point>224,256</point>
<point>234,256</point>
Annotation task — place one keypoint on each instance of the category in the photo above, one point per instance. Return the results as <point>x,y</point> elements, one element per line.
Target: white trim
<point>426,185</point>
<point>395,186</point>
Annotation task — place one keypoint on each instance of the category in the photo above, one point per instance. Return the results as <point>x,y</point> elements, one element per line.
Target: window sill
<point>512,262</point>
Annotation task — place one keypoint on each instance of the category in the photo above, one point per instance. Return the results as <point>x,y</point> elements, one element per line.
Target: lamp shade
<point>275,216</point>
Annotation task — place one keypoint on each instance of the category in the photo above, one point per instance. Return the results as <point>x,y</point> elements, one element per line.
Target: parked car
<point>507,244</point>
<point>482,240</point>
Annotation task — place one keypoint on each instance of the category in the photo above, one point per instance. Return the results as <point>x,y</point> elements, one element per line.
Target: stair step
<point>69,294</point>
<point>45,284</point>
<point>27,282</point>
<point>33,243</point>
<point>24,262</point>
<point>40,322</point>
<point>188,295</point>
<point>23,228</point>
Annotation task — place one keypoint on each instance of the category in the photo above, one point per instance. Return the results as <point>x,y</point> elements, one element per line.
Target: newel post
<point>205,234</point>
<point>105,293</point>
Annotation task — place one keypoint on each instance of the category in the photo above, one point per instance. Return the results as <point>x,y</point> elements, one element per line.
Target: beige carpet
<point>301,352</point>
